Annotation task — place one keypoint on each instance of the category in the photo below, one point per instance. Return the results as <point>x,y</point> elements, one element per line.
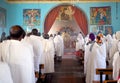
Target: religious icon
<point>65,13</point>
<point>100,15</point>
<point>31,17</point>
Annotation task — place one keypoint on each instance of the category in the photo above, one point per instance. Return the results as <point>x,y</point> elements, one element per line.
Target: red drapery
<point>78,15</point>
<point>81,20</point>
<point>50,19</point>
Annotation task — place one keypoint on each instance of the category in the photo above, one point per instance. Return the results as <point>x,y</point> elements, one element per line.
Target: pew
<point>101,71</point>
<point>110,81</point>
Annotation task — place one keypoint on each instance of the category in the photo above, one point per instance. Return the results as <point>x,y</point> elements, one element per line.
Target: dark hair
<point>16,31</point>
<point>35,32</point>
<point>46,36</point>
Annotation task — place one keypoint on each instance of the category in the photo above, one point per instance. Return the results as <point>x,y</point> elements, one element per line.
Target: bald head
<point>16,32</point>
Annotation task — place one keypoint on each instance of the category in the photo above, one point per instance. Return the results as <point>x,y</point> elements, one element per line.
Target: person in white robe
<point>108,46</point>
<point>18,56</point>
<point>90,41</point>
<point>48,53</point>
<point>59,46</point>
<point>80,42</point>
<point>5,74</point>
<point>36,42</point>
<point>113,49</point>
<point>96,58</point>
<point>116,63</point>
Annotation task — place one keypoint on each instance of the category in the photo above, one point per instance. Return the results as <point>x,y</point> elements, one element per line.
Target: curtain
<point>81,20</point>
<point>50,18</point>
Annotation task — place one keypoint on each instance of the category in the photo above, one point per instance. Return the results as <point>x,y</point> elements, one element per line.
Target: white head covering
<point>118,46</point>
<point>117,35</point>
<point>109,38</point>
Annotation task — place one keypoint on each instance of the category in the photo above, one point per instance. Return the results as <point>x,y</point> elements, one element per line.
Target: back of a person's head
<point>46,36</point>
<point>16,32</point>
<point>34,32</point>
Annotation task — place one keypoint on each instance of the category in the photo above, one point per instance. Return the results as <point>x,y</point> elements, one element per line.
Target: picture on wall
<point>108,30</point>
<point>2,17</point>
<point>65,13</point>
<point>100,15</point>
<point>31,17</point>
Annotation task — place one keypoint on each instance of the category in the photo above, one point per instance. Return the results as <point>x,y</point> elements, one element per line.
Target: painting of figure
<point>100,15</point>
<point>65,13</point>
<point>31,17</point>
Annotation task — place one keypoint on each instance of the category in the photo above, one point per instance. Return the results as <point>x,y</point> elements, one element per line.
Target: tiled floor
<point>67,71</point>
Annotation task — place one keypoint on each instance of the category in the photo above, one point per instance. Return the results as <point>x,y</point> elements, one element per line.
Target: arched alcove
<point>78,18</point>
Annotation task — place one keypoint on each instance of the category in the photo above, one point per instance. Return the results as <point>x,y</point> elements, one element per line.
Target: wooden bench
<point>101,71</point>
<point>110,81</point>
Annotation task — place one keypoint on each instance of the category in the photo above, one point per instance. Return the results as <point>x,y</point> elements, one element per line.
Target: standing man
<point>18,56</point>
<point>59,46</point>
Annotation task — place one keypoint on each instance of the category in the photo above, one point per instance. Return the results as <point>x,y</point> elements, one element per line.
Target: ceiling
<point>50,1</point>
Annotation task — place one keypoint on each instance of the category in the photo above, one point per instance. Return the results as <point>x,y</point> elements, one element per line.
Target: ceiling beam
<point>59,1</point>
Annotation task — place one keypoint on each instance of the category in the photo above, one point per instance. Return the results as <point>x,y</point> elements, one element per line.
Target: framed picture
<point>108,30</point>
<point>100,15</point>
<point>31,17</point>
<point>2,17</point>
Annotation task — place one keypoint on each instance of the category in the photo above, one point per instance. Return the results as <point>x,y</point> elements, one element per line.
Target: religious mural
<point>100,15</point>
<point>31,17</point>
<point>2,17</point>
<point>65,13</point>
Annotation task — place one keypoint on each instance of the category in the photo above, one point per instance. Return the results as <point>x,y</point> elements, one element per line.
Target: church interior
<point>70,18</point>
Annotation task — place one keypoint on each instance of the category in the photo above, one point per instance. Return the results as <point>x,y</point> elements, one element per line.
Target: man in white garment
<point>59,46</point>
<point>116,63</point>
<point>80,42</point>
<point>95,58</point>
<point>113,49</point>
<point>18,56</point>
<point>48,53</point>
<point>108,46</point>
<point>5,74</point>
<point>36,42</point>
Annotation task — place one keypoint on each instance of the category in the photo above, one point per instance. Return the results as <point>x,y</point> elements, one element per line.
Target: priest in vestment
<point>66,39</point>
<point>18,56</point>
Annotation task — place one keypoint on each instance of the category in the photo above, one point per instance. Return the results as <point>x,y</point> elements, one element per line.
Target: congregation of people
<point>100,51</point>
<point>21,55</point>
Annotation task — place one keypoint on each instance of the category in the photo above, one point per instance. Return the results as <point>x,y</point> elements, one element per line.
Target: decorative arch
<point>79,16</point>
